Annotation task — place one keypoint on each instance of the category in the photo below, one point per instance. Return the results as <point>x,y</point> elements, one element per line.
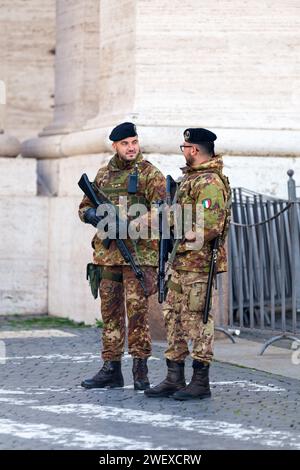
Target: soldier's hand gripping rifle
<point>86,186</point>
<point>165,239</point>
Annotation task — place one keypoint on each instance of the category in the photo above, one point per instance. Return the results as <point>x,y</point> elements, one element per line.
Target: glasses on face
<point>182,147</point>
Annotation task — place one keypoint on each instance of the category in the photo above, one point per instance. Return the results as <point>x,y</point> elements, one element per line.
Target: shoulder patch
<point>206,203</point>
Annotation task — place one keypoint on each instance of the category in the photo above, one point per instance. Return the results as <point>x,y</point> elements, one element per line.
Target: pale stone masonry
<point>27,64</point>
<point>230,66</point>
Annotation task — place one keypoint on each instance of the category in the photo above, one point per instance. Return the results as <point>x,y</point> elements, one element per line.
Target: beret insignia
<point>187,135</point>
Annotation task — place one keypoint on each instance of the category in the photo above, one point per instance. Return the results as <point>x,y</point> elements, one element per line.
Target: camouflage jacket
<point>113,181</point>
<point>205,185</point>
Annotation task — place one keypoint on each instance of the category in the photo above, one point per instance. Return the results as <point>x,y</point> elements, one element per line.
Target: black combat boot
<point>173,382</point>
<point>110,376</point>
<point>198,386</point>
<point>140,374</point>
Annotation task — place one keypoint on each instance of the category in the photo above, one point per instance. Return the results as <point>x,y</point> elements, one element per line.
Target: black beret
<point>198,136</point>
<point>122,131</point>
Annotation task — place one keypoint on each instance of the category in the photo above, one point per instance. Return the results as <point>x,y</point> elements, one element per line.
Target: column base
<point>166,139</point>
<point>9,146</point>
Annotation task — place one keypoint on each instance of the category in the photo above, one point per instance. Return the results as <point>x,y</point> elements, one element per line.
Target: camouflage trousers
<point>119,299</point>
<point>183,315</point>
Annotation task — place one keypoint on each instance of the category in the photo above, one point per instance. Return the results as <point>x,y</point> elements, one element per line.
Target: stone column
<point>9,146</point>
<point>118,45</point>
<point>168,65</point>
<point>76,65</point>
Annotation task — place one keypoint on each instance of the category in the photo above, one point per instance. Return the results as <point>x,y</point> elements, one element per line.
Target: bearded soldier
<point>127,174</point>
<point>203,184</point>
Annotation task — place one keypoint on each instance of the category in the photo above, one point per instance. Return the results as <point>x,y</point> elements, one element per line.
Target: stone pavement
<point>277,360</point>
<point>44,407</point>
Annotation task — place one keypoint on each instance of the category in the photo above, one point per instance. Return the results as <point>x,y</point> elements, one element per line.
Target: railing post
<point>295,246</point>
<point>291,187</point>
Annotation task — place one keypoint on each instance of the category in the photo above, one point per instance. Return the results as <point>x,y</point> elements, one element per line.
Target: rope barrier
<point>236,224</point>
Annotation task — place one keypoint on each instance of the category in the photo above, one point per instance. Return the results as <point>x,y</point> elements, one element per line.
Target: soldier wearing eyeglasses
<point>203,183</point>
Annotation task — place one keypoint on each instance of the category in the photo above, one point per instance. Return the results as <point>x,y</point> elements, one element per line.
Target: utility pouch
<point>133,182</point>
<point>94,276</point>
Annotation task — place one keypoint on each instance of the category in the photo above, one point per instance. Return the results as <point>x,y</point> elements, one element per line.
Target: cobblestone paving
<point>44,407</point>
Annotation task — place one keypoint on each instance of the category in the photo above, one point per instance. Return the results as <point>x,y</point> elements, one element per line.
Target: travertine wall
<point>27,44</point>
<point>224,64</point>
<point>24,239</point>
<point>165,64</point>
<point>69,252</point>
<point>17,177</point>
<point>219,64</point>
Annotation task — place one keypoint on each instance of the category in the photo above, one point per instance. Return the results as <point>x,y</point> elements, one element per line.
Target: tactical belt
<point>95,273</point>
<point>173,286</point>
<point>118,277</point>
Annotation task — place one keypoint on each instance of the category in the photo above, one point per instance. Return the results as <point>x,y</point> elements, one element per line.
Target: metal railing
<point>264,263</point>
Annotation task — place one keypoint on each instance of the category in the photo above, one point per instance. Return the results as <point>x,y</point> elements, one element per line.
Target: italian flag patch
<point>206,203</point>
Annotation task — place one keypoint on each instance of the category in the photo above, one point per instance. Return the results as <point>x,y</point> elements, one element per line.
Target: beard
<point>190,160</point>
<point>128,156</point>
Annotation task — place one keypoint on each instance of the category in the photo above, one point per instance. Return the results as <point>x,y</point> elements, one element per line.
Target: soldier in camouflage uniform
<point>120,291</point>
<point>203,183</point>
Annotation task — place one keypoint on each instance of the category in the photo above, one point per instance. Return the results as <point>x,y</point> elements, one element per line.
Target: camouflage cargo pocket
<point>196,299</point>
<point>151,280</point>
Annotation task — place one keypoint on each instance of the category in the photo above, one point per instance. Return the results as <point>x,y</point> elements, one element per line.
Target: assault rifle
<point>211,276</point>
<point>165,244</point>
<point>86,186</point>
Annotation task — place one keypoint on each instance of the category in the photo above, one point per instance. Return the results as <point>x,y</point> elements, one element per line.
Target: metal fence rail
<point>264,262</point>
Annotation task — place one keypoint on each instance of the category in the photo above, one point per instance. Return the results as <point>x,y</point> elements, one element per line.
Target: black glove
<point>90,217</point>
